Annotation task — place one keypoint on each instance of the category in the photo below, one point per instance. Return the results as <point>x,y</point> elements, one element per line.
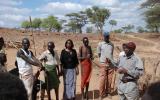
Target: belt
<point>128,80</point>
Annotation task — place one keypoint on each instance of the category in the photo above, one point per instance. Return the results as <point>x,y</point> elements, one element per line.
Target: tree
<point>152,17</point>
<point>152,14</point>
<point>112,23</point>
<point>150,3</point>
<point>51,23</point>
<point>128,28</point>
<point>89,29</point>
<point>36,23</point>
<point>98,16</point>
<point>140,29</point>
<point>118,31</point>
<point>25,24</point>
<point>80,19</point>
<point>72,26</point>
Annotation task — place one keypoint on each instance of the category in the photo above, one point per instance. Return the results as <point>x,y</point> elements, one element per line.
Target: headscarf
<point>131,45</point>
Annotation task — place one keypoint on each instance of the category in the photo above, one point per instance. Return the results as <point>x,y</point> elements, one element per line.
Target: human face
<point>106,39</point>
<point>25,44</point>
<point>128,51</point>
<point>85,42</point>
<point>51,46</point>
<point>69,45</point>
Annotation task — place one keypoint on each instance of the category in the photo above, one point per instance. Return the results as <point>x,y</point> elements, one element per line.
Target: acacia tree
<point>72,26</point>
<point>128,28</point>
<point>152,14</point>
<point>98,16</point>
<point>25,24</point>
<point>79,19</point>
<point>36,23</point>
<point>112,23</point>
<point>51,23</point>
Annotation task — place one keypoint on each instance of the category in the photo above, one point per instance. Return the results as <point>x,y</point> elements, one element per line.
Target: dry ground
<point>147,48</point>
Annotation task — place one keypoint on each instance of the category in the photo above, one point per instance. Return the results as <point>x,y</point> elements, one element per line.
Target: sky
<point>13,12</point>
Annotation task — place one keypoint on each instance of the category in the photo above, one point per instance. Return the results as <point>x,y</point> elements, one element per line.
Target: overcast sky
<point>13,12</point>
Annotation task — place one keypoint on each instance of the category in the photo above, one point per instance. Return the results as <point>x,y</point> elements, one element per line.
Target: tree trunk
<point>156,29</point>
<point>111,28</point>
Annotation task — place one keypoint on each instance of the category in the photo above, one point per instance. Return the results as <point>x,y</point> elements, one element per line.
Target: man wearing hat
<point>130,68</point>
<point>105,53</point>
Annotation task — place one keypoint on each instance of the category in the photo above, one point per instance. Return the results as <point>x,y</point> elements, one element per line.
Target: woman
<point>51,60</point>
<point>69,67</point>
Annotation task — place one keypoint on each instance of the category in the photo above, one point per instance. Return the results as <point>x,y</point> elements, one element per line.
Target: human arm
<point>32,61</point>
<point>58,63</point>
<point>99,50</point>
<point>135,72</point>
<point>76,62</point>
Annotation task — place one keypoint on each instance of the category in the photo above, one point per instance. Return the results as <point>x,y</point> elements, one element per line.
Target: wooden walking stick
<point>34,48</point>
<point>32,34</point>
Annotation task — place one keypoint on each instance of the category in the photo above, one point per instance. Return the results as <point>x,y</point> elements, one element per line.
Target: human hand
<point>122,70</point>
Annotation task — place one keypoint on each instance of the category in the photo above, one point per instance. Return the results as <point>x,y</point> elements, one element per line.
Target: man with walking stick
<point>25,60</point>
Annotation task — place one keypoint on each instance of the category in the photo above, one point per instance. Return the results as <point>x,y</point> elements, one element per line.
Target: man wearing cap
<point>130,68</point>
<point>105,53</point>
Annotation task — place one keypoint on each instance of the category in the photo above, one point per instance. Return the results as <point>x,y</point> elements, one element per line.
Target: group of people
<point>129,68</point>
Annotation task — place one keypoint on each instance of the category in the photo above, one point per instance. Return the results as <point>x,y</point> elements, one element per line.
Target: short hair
<point>69,40</point>
<point>85,38</point>
<point>1,40</point>
<point>154,90</point>
<point>11,87</point>
<point>25,39</point>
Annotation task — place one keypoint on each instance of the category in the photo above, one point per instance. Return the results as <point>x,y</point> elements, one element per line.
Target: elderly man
<point>130,68</point>
<point>25,60</point>
<point>105,53</point>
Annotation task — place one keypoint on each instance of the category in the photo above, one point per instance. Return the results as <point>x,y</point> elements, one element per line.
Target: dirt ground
<point>147,48</point>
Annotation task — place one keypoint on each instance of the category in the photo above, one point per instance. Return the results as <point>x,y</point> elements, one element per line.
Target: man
<point>153,92</point>
<point>2,45</point>
<point>51,64</point>
<point>11,88</point>
<point>130,68</point>
<point>85,57</point>
<point>25,60</point>
<point>36,85</point>
<point>105,53</point>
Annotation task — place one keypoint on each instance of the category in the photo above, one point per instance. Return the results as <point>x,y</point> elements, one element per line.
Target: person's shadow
<point>91,94</point>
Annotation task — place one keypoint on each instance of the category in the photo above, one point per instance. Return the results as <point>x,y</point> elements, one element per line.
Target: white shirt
<point>24,67</point>
<point>106,51</point>
<point>133,64</point>
<point>50,60</point>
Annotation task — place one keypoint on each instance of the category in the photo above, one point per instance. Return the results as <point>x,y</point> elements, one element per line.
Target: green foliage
<point>140,29</point>
<point>89,29</point>
<point>150,3</point>
<point>118,31</point>
<point>152,14</point>
<point>128,28</point>
<point>51,23</point>
<point>152,17</point>
<point>79,19</point>
<point>72,26</point>
<point>112,23</point>
<point>98,16</point>
<point>25,24</point>
<point>36,23</point>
